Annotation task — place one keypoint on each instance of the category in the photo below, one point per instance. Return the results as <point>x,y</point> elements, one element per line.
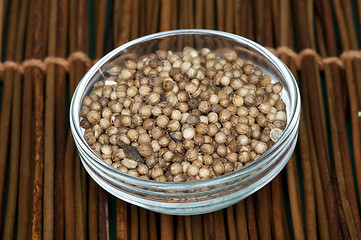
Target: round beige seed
<point>189,133</point>
<point>93,117</point>
<point>275,134</point>
<point>192,170</point>
<point>145,150</point>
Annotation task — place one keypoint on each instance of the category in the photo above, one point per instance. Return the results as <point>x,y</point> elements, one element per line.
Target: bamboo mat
<point>49,45</point>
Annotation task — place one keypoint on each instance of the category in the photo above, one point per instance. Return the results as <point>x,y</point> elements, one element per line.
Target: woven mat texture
<point>47,46</point>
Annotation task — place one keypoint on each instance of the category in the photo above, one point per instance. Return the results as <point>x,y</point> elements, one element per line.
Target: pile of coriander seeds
<point>183,116</point>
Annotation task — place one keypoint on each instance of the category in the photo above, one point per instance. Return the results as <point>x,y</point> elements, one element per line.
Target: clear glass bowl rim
<point>295,101</point>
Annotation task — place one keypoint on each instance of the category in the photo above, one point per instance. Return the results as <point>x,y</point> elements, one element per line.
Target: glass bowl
<point>189,198</point>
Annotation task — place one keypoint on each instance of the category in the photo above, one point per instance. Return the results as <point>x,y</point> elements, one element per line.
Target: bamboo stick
<point>304,39</point>
<point>263,197</point>
<point>5,118</point>
<point>134,26</point>
<point>109,43</point>
<point>49,130</point>
<point>78,202</point>
<point>152,226</point>
<point>341,21</point>
<point>356,62</point>
<point>284,23</point>
<point>166,227</point>
<point>84,194</point>
<point>182,21</point>
<point>341,155</point>
<point>311,228</point>
<point>295,204</point>
<point>73,5</point>
<point>355,122</point>
<point>124,34</point>
<point>180,228</point>
<point>134,222</point>
<point>92,210</point>
<point>237,12</point>
<point>49,153</point>
<point>155,18</point>
<point>276,21</point>
<point>121,219</point>
<point>324,11</point>
<point>116,22</point>
<point>24,202</point>
<point>25,198</point>
<point>13,80</point>
<point>100,29</point>
<point>309,9</point>
<point>103,215</point>
<point>188,227</point>
<point>208,229</point>
<point>197,226</point>
<point>69,201</point>
<point>142,20</point>
<point>322,113</point>
<point>2,21</point>
<point>149,14</point>
<point>38,84</point>
<point>12,33</point>
<point>320,38</point>
<point>185,14</point>
<point>310,209</point>
<point>241,220</point>
<point>337,150</point>
<point>251,218</point>
<point>46,22</point>
<point>231,226</point>
<point>14,160</point>
<point>190,12</point>
<point>243,17</point>
<point>174,12</point>
<point>79,208</point>
<point>96,9</point>
<point>60,113</point>
<point>309,68</point>
<point>321,209</point>
<point>268,27</point>
<point>347,9</point>
<point>280,228</point>
<point>209,17</point>
<point>343,226</point>
<point>259,24</point>
<point>165,15</point>
<point>199,16</point>
<point>143,223</point>
<point>322,218</point>
<point>229,19</point>
<point>250,21</point>
<point>37,221</point>
<point>9,222</point>
<point>82,39</point>
<point>220,15</point>
<point>59,154</point>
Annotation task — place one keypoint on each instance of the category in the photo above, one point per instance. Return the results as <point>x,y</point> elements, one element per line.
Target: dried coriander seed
<point>183,116</point>
<point>275,134</point>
